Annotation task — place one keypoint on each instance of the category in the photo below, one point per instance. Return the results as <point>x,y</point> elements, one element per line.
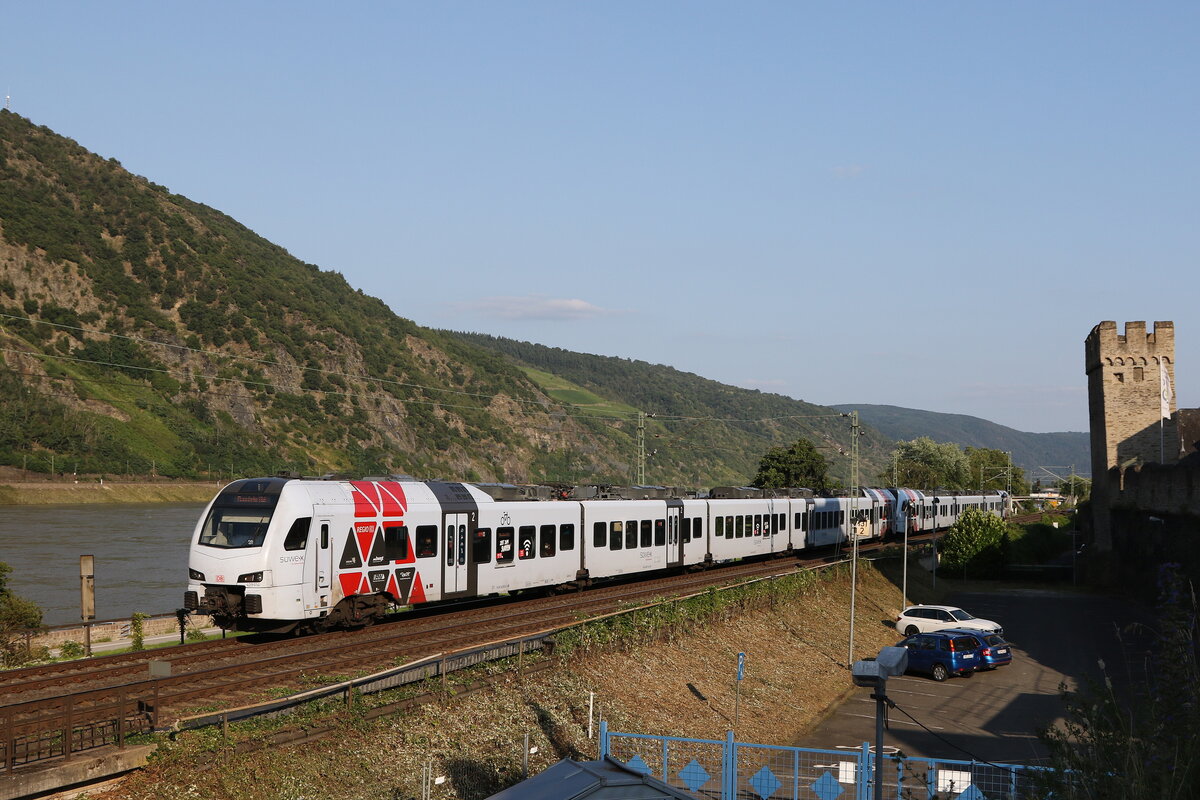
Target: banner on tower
<point>1164,385</point>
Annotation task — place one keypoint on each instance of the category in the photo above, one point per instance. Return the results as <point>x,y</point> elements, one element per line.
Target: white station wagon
<point>924,619</point>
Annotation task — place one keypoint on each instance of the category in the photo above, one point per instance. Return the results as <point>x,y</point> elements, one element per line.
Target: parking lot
<point>1058,638</point>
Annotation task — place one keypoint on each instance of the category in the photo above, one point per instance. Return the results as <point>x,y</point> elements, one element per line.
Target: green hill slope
<point>144,333</point>
<point>1029,450</point>
<point>699,423</point>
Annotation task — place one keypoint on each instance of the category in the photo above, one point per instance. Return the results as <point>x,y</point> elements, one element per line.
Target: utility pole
<point>641,449</point>
<point>853,526</point>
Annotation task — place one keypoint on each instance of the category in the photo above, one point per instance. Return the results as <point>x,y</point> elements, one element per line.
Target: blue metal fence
<point>731,770</point>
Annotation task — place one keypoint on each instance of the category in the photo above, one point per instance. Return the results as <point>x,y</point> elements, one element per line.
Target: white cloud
<point>534,307</point>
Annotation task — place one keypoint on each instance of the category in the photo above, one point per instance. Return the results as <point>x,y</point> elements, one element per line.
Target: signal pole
<point>852,528</point>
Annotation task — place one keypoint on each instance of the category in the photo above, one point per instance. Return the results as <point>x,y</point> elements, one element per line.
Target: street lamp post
<point>910,513</point>
<point>933,529</point>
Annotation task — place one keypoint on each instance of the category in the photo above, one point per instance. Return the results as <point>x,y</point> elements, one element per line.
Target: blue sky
<point>919,204</point>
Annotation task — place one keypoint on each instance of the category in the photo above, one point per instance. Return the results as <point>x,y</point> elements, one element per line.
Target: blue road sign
<point>741,665</point>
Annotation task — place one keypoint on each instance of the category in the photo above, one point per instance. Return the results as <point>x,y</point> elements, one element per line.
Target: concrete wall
<point>116,631</point>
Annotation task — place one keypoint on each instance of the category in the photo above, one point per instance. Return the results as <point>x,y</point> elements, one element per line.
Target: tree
<point>978,542</point>
<point>993,470</point>
<point>926,464</point>
<point>18,616</point>
<point>798,465</point>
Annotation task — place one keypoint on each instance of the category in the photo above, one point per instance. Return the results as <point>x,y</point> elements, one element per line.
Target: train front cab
<point>247,559</point>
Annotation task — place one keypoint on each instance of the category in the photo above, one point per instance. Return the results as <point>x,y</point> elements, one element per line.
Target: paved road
<point>1058,638</point>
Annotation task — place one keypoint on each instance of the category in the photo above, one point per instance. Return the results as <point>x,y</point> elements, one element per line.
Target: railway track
<point>57,710</point>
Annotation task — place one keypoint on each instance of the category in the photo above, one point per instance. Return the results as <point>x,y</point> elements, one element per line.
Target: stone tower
<point>1125,395</point>
<point>1125,405</point>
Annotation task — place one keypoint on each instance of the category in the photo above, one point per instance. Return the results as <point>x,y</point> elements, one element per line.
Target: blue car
<point>942,654</point>
<point>997,652</point>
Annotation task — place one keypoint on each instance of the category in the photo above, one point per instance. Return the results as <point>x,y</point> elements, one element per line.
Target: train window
<point>646,535</point>
<point>395,542</point>
<point>728,527</point>
<point>297,537</point>
<point>660,532</point>
<point>525,541</point>
<point>720,529</point>
<point>739,527</point>
<point>697,528</point>
<point>599,534</point>
<point>427,540</point>
<point>759,530</point>
<point>780,522</point>
<point>481,548</point>
<point>546,536</point>
<point>230,527</point>
<point>449,546</point>
<point>616,535</point>
<point>505,552</point>
<point>566,537</point>
<point>324,537</point>
<point>687,529</point>
<point>841,517</point>
<point>799,521</point>
<point>631,534</point>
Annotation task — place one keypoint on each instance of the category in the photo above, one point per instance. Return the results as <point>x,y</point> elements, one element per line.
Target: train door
<point>324,562</point>
<point>457,576</point>
<point>674,539</point>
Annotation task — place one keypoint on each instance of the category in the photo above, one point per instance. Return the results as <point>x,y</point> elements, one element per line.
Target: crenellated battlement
<point>1104,346</point>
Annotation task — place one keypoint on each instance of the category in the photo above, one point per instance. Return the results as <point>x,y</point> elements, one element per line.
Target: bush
<point>137,635</point>
<point>71,649</point>
<point>977,543</point>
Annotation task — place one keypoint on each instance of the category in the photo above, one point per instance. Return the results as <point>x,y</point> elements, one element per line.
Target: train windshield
<point>235,527</point>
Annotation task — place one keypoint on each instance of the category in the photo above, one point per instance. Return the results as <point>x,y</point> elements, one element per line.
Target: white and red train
<point>279,554</point>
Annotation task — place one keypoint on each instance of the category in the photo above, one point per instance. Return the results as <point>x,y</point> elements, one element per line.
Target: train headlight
<point>251,577</point>
<point>195,574</point>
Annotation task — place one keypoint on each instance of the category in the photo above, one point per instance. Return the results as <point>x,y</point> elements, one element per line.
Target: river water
<point>141,556</point>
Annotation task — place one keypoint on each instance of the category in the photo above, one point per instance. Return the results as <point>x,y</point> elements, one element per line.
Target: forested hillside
<point>143,333</point>
<point>1031,451</point>
<point>699,419</point>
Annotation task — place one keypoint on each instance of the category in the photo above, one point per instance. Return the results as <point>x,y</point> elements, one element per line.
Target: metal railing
<point>731,770</point>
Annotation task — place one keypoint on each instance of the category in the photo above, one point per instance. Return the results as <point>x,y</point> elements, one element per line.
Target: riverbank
<point>29,493</point>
